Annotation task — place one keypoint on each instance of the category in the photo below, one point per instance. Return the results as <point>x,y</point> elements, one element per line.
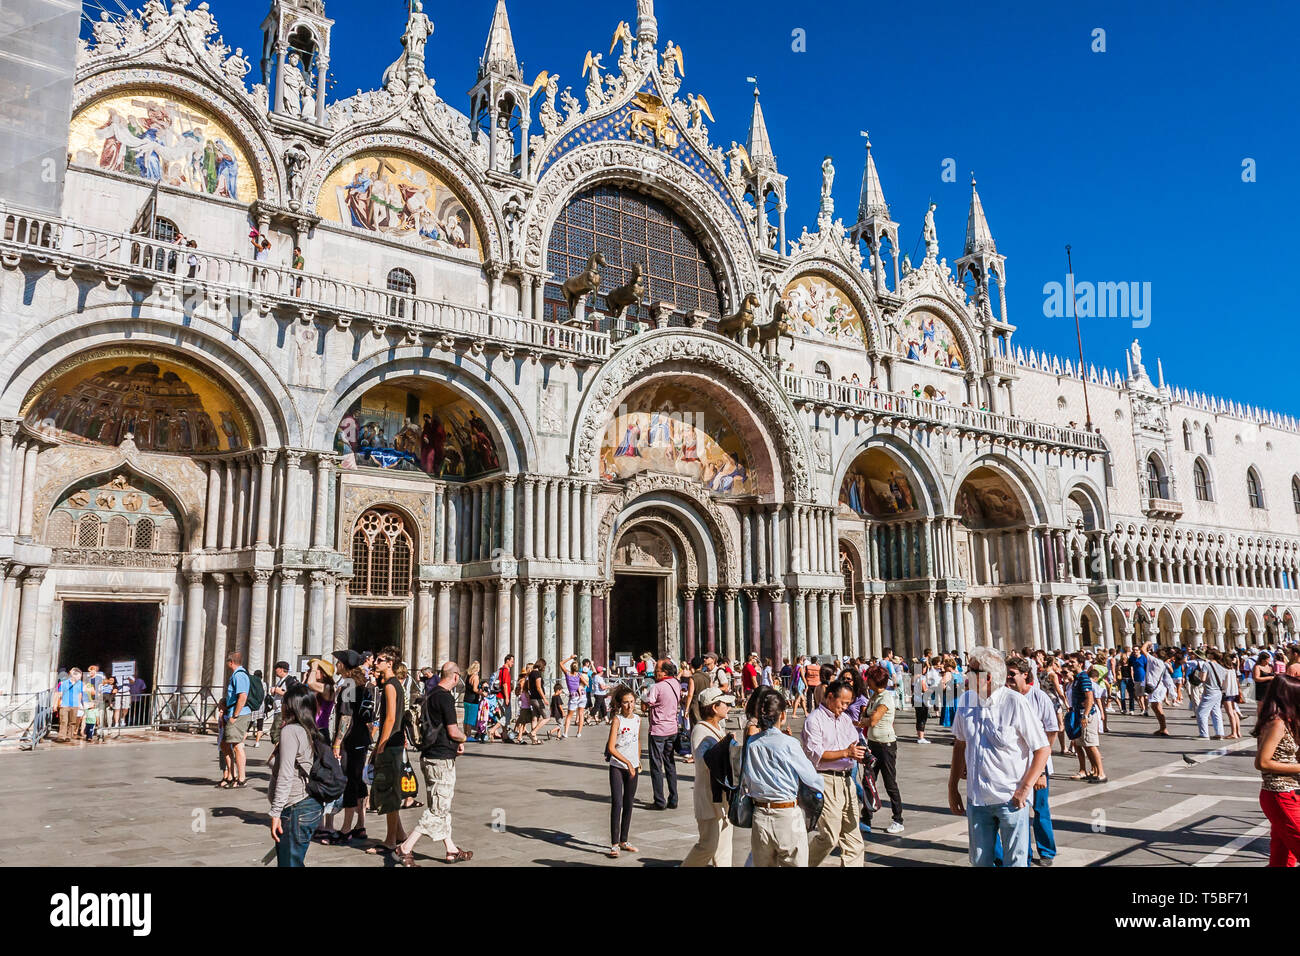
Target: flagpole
<point>1078,331</point>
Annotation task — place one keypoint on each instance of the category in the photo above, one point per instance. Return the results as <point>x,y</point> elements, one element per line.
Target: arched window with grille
<point>1254,489</point>
<point>144,534</point>
<point>401,282</point>
<point>89,532</point>
<point>382,552</point>
<point>1201,478</point>
<point>822,370</point>
<point>1295,493</point>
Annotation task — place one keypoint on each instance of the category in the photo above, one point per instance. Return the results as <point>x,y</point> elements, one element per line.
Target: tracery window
<point>121,514</point>
<point>1201,478</point>
<point>1254,490</point>
<point>381,555</point>
<point>403,283</point>
<point>628,227</point>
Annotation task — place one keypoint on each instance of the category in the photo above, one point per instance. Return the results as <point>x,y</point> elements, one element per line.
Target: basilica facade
<point>547,376</point>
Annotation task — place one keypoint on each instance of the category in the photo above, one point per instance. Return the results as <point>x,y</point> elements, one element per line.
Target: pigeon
<point>1189,760</point>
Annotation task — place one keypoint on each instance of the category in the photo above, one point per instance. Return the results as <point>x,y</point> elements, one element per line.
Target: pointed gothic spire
<point>872,202</point>
<point>499,54</point>
<point>759,144</point>
<point>978,236</point>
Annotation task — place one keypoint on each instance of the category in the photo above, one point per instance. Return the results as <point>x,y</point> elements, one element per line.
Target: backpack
<point>256,693</point>
<point>413,722</point>
<point>326,781</point>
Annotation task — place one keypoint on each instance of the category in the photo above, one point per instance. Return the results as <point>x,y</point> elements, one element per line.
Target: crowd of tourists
<point>344,729</point>
<point>87,705</point>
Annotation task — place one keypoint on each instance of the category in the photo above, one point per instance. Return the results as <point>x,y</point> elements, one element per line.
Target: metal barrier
<point>192,709</point>
<point>26,717</point>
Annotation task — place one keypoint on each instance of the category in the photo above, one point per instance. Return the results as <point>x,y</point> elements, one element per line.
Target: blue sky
<point>1133,156</point>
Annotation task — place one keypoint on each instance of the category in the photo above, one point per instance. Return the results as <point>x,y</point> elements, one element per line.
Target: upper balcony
<point>887,405</point>
<point>124,257</point>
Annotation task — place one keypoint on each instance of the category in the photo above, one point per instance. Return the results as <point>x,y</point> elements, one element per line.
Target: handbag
<point>408,784</point>
<point>869,782</point>
<point>740,806</point>
<point>811,802</point>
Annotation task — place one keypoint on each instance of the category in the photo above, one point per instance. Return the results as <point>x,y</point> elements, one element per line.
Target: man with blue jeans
<point>1001,749</point>
<point>1020,678</point>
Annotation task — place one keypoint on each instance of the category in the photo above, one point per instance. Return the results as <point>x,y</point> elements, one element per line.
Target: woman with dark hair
<point>774,767</point>
<point>1262,676</point>
<point>1278,729</point>
<point>294,814</point>
<point>623,751</point>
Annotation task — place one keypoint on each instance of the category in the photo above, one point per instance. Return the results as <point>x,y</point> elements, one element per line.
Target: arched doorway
<point>995,528</point>
<point>885,492</point>
<point>648,567</point>
<point>379,594</point>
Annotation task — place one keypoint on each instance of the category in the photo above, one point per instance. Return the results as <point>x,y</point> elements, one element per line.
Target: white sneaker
<point>579,734</point>
<point>922,740</point>
<point>894,828</point>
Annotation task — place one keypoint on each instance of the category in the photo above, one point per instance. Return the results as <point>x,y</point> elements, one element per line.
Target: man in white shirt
<point>830,740</point>
<point>1002,750</point>
<point>1020,677</point>
<point>1159,683</point>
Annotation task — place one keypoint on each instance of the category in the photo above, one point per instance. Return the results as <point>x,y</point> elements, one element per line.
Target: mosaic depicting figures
<point>423,427</point>
<point>930,340</point>
<point>876,487</point>
<point>161,139</point>
<point>670,430</point>
<point>163,406</point>
<point>398,198</point>
<point>820,309</point>
<point>985,501</point>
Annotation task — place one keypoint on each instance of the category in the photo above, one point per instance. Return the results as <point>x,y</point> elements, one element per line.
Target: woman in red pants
<point>1278,730</point>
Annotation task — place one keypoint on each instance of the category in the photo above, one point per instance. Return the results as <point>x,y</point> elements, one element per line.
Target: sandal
<point>357,834</point>
<point>225,784</point>
<point>406,860</point>
<point>460,856</point>
<point>381,850</point>
<point>1081,775</point>
<point>328,837</point>
<point>629,847</point>
<point>613,853</point>
<point>240,785</point>
<point>1099,779</point>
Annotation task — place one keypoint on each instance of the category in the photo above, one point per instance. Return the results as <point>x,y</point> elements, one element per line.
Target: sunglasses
<point>383,660</point>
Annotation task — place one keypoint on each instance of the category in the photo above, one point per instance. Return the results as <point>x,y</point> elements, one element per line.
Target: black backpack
<point>326,781</point>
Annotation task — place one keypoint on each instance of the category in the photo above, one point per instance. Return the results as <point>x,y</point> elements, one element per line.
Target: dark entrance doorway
<point>634,615</point>
<point>373,628</point>
<point>105,632</point>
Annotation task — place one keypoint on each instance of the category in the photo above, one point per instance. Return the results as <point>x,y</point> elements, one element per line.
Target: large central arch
<point>718,364</point>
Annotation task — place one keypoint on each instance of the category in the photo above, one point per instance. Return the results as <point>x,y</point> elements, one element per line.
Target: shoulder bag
<point>740,808</point>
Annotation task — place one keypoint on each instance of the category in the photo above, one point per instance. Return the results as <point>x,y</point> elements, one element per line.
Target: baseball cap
<point>712,695</point>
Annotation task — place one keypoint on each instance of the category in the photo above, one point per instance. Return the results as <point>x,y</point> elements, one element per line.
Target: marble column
<point>192,654</point>
<point>746,567</point>
<point>779,650</point>
<point>508,517</point>
<point>265,478</point>
<point>257,615</point>
<point>548,628</point>
<point>340,613</point>
<point>504,625</point>
<point>287,642</point>
<point>529,491</point>
<point>8,429</point>
<point>800,623</point>
<point>316,614</point>
<point>552,524</point>
<point>575,522</point>
<point>320,529</point>
<point>688,620</point>
<point>837,625</point>
<point>424,649</point>
<point>212,517</point>
<point>588,533</point>
<point>710,620</point>
<point>949,626</point>
<point>8,625</point>
<point>564,500</point>
<point>243,509</point>
<point>227,539</point>
<point>531,624</point>
<point>25,656</point>
<point>755,632</point>
<point>863,648</point>
<point>877,628</point>
<point>584,650</point>
<point>475,650</point>
<point>729,597</point>
<point>28,503</point>
<point>1053,625</point>
<point>567,631</point>
<point>824,644</point>
<point>442,640</point>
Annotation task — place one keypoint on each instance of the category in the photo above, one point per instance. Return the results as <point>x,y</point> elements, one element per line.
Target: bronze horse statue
<point>774,331</point>
<point>626,296</point>
<point>584,283</point>
<point>738,326</point>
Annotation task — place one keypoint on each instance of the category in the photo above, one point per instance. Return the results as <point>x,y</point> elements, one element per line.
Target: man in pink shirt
<point>662,704</point>
<point>831,742</point>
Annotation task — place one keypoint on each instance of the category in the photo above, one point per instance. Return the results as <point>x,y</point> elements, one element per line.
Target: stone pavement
<point>142,804</point>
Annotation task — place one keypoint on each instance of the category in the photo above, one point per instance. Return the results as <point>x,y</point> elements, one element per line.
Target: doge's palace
<point>541,371</point>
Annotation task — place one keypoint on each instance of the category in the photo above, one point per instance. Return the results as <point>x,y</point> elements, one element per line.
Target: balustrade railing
<point>235,276</point>
<point>861,397</point>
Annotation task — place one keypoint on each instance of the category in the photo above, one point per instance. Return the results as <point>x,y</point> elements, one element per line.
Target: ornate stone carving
<point>359,498</point>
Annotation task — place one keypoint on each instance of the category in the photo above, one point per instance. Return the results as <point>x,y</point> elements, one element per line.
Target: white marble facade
<point>982,511</point>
